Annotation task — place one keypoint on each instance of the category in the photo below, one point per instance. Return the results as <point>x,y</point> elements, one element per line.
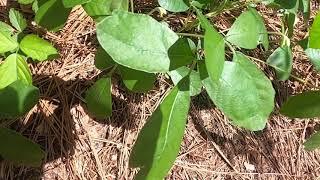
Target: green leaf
<point>17,99</point>
<point>314,34</point>
<point>18,149</point>
<point>14,68</point>
<point>313,48</point>
<point>72,3</point>
<point>5,28</point>
<point>47,17</point>
<point>98,98</point>
<point>314,55</point>
<point>214,47</point>
<point>244,93</point>
<point>305,7</point>
<point>281,59</point>
<point>136,41</point>
<point>180,54</point>
<point>7,42</point>
<point>313,142</point>
<point>305,105</point>
<point>17,20</point>
<point>97,8</point>
<point>195,81</point>
<point>248,31</point>
<point>159,141</point>
<point>25,2</point>
<point>137,81</point>
<point>37,48</point>
<point>103,60</point>
<point>175,5</point>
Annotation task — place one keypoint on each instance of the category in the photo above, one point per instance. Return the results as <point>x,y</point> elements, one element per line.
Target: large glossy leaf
<point>98,98</point>
<point>313,142</point>
<point>305,105</point>
<point>136,41</point>
<point>282,60</point>
<point>137,81</point>
<point>14,68</point>
<point>72,3</point>
<point>174,5</point>
<point>37,48</point>
<point>52,15</point>
<point>248,31</point>
<point>18,149</point>
<point>214,47</point>
<point>7,42</point>
<point>17,99</point>
<point>105,7</point>
<point>244,93</point>
<point>159,141</point>
<point>195,81</point>
<point>17,20</point>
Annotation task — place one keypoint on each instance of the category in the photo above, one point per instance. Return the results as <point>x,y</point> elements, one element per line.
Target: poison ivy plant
<point>136,47</point>
<point>17,93</point>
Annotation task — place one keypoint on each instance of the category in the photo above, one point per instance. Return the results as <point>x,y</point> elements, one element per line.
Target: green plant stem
<point>291,75</point>
<point>286,39</point>
<point>193,65</point>
<point>112,70</point>
<point>230,47</point>
<point>191,35</point>
<point>132,6</point>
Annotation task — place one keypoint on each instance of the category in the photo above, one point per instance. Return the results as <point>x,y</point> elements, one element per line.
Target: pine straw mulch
<point>80,147</point>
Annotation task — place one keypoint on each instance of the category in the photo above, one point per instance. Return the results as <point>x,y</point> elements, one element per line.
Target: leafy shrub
<point>17,93</point>
<point>138,47</point>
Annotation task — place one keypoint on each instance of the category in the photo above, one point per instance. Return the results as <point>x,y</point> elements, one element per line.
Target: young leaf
<point>174,5</point>
<point>18,149</point>
<point>195,81</point>
<point>37,48</point>
<point>282,60</point>
<point>52,15</point>
<point>102,59</point>
<point>248,31</point>
<point>214,47</point>
<point>14,68</point>
<point>159,141</point>
<point>137,81</point>
<point>17,99</point>
<point>72,3</point>
<point>244,93</point>
<point>96,8</point>
<point>313,142</point>
<point>136,41</point>
<point>98,98</point>
<point>7,42</point>
<point>17,20</point>
<point>305,105</point>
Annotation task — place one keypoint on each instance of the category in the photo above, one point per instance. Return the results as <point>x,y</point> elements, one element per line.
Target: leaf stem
<point>191,35</point>
<point>230,47</point>
<point>132,6</point>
